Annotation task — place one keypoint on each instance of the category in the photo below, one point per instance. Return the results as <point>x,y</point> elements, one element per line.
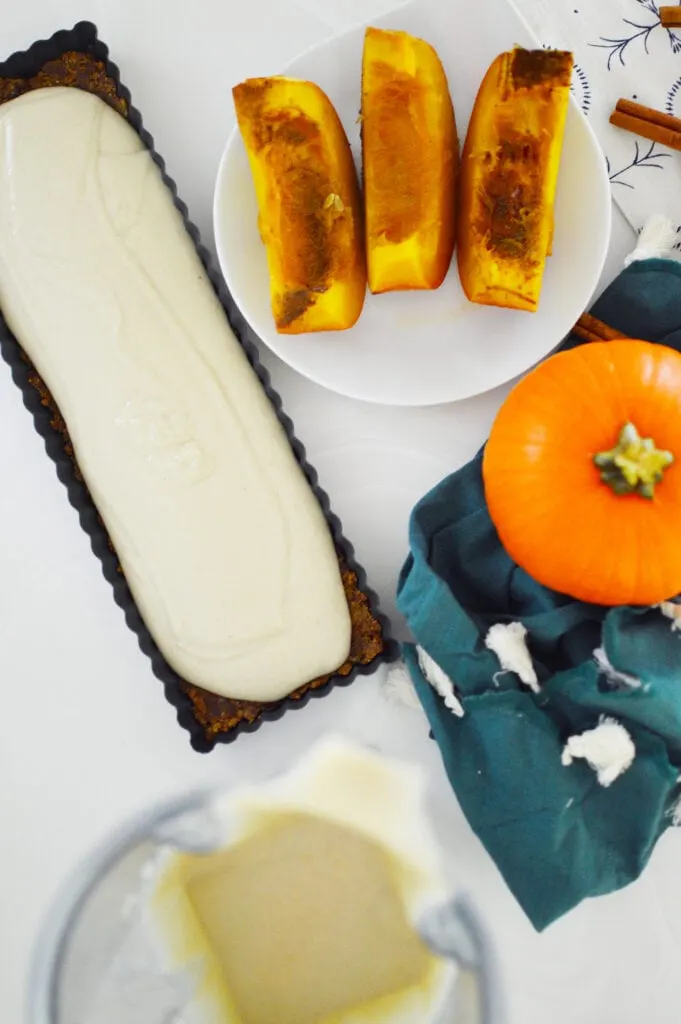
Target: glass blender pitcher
<point>320,896</point>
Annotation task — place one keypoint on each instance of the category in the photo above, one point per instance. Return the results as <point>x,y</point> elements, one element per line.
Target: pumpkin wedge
<point>582,473</point>
<point>509,171</point>
<point>409,158</point>
<point>310,215</point>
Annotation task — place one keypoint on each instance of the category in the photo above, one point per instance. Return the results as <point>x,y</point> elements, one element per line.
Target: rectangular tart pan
<point>77,58</point>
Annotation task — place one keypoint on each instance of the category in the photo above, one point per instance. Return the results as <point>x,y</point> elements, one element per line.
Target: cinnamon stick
<point>648,123</point>
<point>589,328</point>
<point>585,334</point>
<point>670,17</point>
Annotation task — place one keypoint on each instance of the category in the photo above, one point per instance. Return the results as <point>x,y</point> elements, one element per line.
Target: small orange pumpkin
<point>582,473</point>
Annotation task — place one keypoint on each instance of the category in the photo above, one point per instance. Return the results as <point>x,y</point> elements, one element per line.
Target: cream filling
<point>307,914</point>
<point>222,542</point>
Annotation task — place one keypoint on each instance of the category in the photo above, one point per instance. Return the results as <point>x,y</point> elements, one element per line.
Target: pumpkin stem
<point>634,465</point>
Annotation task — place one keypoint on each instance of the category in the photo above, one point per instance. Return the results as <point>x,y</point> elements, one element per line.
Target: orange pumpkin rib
<point>598,367</point>
<point>564,403</point>
<point>594,413</point>
<point>558,528</point>
<point>653,367</point>
<point>553,513</point>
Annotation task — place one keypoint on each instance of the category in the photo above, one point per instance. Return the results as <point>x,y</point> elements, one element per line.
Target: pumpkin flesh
<point>554,514</point>
<point>410,158</point>
<point>509,172</point>
<point>310,217</point>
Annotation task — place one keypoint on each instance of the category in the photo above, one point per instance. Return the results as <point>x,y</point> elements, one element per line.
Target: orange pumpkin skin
<point>554,515</point>
<point>410,156</point>
<point>310,211</point>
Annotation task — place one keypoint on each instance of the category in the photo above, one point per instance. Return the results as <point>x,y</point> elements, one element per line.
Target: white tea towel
<point>621,50</point>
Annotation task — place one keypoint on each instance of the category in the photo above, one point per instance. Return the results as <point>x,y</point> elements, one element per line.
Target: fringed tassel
<point>657,240</point>
<point>398,687</point>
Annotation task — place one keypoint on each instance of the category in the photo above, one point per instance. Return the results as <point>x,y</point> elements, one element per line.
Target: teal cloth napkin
<point>556,834</point>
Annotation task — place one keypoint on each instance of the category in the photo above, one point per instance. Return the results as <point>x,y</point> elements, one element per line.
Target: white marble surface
<point>86,736</point>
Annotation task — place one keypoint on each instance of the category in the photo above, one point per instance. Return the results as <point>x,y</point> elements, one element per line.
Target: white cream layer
<point>222,541</point>
<point>339,784</point>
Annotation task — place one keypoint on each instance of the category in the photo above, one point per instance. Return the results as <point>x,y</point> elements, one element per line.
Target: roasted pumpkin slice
<point>310,215</point>
<point>509,171</point>
<point>410,157</point>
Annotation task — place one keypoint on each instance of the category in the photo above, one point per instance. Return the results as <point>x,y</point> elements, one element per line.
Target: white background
<point>86,736</point>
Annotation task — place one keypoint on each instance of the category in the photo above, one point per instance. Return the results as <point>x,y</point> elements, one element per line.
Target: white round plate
<point>425,348</point>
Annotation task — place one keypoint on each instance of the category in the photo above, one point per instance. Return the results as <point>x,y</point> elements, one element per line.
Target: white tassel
<point>608,749</point>
<point>508,642</point>
<point>657,240</point>
<point>612,674</point>
<point>672,611</point>
<point>440,682</point>
<point>398,687</point>
<point>676,814</point>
